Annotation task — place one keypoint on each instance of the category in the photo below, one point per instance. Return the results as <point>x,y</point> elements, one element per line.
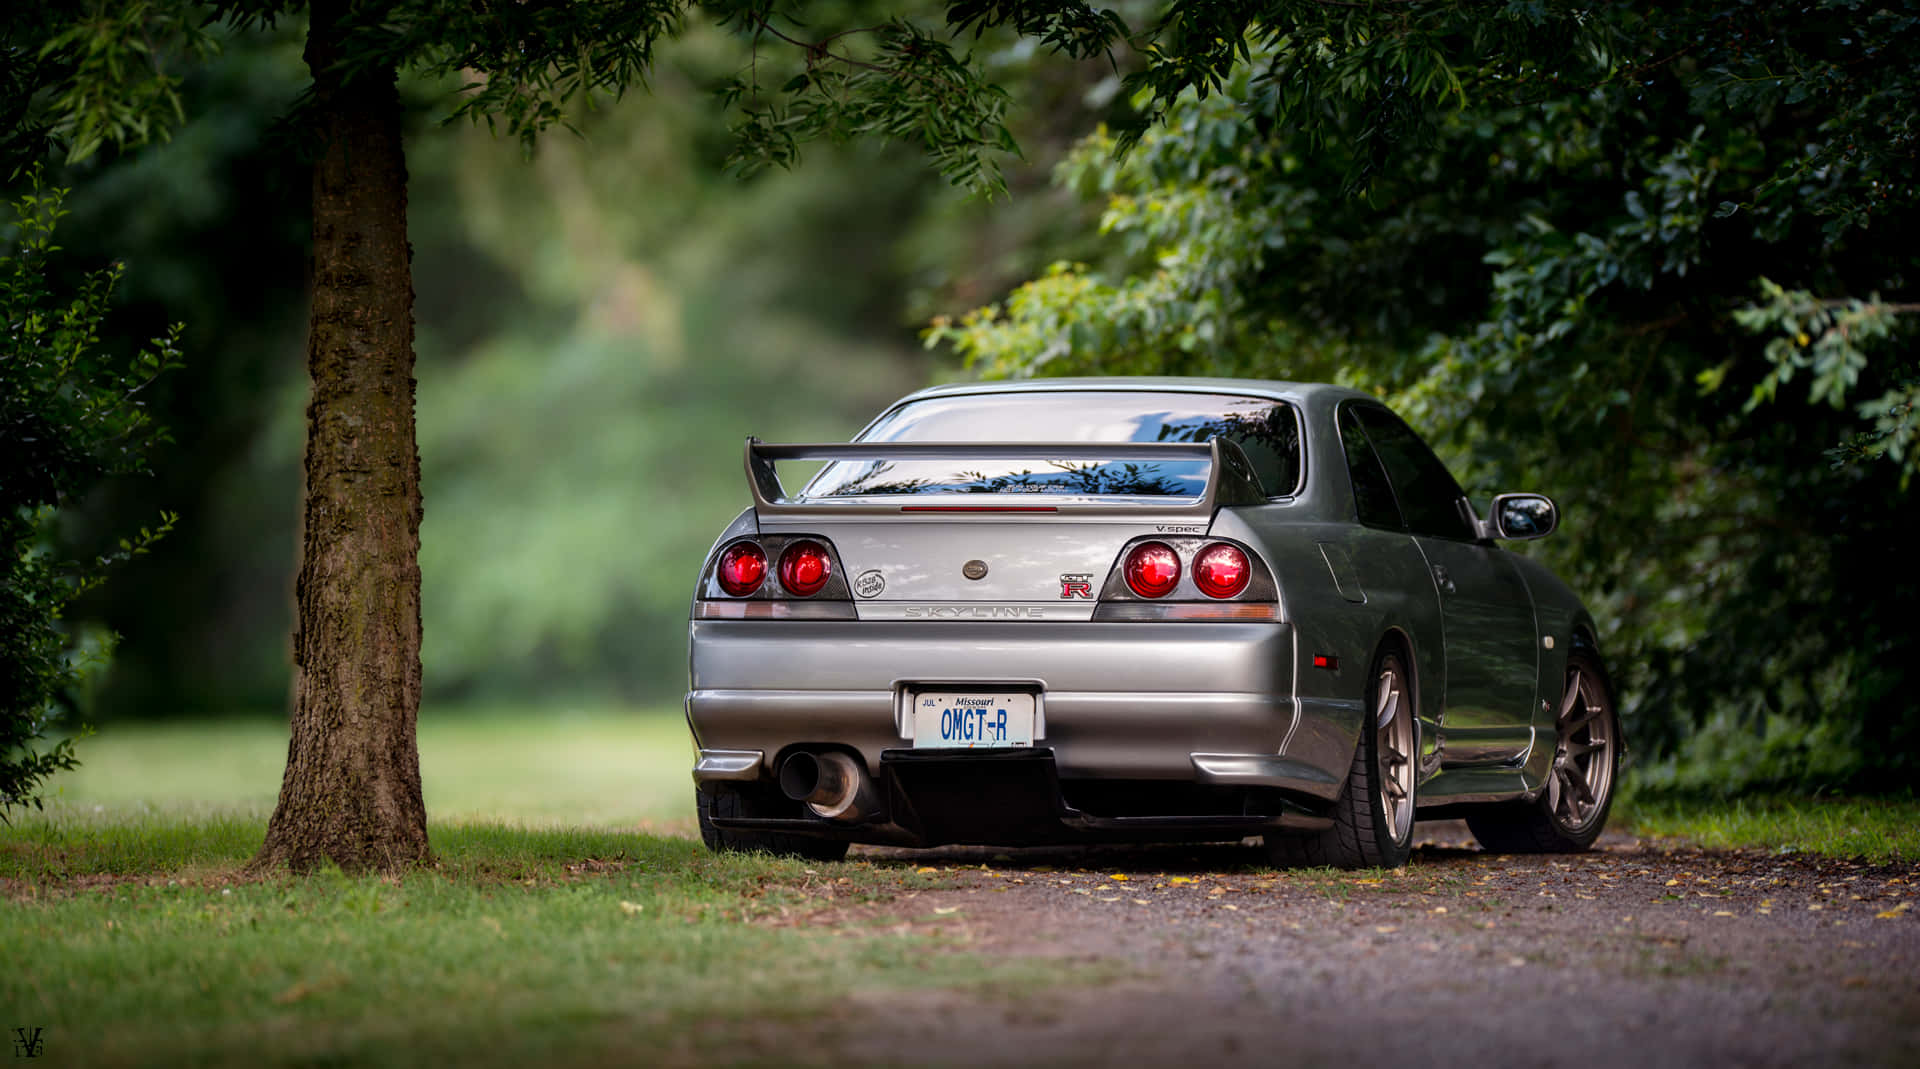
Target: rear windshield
<point>1266,430</point>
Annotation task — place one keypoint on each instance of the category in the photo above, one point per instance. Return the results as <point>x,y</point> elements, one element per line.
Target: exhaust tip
<point>800,776</point>
<point>832,784</point>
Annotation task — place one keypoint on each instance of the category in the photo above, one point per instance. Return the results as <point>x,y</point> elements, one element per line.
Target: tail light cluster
<point>775,576</point>
<point>742,568</point>
<point>805,568</point>
<point>1188,579</point>
<point>1222,570</point>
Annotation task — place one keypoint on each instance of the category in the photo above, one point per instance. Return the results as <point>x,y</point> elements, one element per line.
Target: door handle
<point>1441,579</point>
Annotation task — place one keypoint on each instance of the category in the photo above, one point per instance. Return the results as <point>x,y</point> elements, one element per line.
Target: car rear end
<point>889,659</point>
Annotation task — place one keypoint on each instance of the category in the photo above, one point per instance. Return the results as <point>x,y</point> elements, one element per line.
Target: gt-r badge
<point>1076,586</point>
<point>870,583</point>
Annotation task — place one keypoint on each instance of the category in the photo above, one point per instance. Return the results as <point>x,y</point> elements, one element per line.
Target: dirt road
<point>1636,953</point>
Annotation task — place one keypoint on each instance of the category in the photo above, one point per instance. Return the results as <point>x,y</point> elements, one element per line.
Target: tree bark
<point>352,788</point>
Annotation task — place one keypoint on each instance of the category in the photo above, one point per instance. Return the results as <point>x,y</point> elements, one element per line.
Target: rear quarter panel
<point>1396,598</point>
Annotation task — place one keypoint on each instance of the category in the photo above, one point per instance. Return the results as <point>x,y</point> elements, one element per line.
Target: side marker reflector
<point>1321,660</point>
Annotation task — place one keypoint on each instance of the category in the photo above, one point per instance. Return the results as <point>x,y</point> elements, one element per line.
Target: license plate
<point>972,721</point>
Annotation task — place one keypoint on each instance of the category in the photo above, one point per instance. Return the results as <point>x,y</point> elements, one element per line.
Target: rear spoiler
<point>1230,477</point>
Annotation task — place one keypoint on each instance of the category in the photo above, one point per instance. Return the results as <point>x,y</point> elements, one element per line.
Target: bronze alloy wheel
<point>1581,782</point>
<point>1394,748</point>
<point>1573,802</point>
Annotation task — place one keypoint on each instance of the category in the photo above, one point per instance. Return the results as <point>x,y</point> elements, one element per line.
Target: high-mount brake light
<point>1221,570</point>
<point>1152,569</point>
<point>805,568</point>
<point>743,567</point>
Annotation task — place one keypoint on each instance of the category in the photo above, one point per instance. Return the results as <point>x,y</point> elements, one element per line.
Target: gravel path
<point>1636,952</point>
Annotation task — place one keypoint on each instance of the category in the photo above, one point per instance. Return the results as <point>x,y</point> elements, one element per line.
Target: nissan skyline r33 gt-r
<point>1140,609</point>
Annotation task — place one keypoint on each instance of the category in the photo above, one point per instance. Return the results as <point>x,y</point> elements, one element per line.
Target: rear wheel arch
<point>1373,814</point>
<point>1396,639</point>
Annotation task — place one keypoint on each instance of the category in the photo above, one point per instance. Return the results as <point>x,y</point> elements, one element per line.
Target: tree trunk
<point>352,787</point>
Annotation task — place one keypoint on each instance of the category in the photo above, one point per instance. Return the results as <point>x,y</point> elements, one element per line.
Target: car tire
<point>725,803</point>
<point>1373,815</point>
<point>1573,804</point>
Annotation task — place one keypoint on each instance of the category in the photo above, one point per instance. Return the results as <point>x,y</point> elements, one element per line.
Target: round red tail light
<point>1221,570</point>
<point>804,568</point>
<point>743,566</point>
<point>1152,569</point>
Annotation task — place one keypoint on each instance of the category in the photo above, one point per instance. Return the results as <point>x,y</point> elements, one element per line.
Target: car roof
<point>1298,393</point>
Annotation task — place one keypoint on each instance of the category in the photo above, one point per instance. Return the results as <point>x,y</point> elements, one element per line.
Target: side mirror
<point>1521,517</point>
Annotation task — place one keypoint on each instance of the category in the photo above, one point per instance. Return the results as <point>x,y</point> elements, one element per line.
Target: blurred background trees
<point>1650,260</point>
<point>1657,263</point>
<point>600,324</point>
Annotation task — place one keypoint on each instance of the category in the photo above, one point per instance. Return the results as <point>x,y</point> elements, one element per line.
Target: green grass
<point>560,927</point>
<point>1878,829</point>
<point>538,766</point>
<point>571,920</point>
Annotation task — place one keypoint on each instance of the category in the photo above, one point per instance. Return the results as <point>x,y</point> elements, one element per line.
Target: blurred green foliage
<point>1655,261</point>
<point>70,417</point>
<point>600,326</point>
<point>1594,253</point>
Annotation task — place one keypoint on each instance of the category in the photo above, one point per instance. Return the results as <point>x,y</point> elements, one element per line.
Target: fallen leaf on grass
<point>943,911</point>
<point>923,870</point>
<point>1723,913</point>
<point>1386,929</point>
<point>1889,914</point>
<point>629,907</point>
<point>307,987</point>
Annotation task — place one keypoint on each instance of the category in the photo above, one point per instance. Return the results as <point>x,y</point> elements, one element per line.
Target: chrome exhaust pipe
<point>832,784</point>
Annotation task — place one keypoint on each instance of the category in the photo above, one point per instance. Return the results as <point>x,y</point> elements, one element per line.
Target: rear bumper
<point>1015,797</point>
<point>1207,705</point>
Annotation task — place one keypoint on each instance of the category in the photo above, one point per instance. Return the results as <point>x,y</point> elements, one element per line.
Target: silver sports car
<point>1140,609</point>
